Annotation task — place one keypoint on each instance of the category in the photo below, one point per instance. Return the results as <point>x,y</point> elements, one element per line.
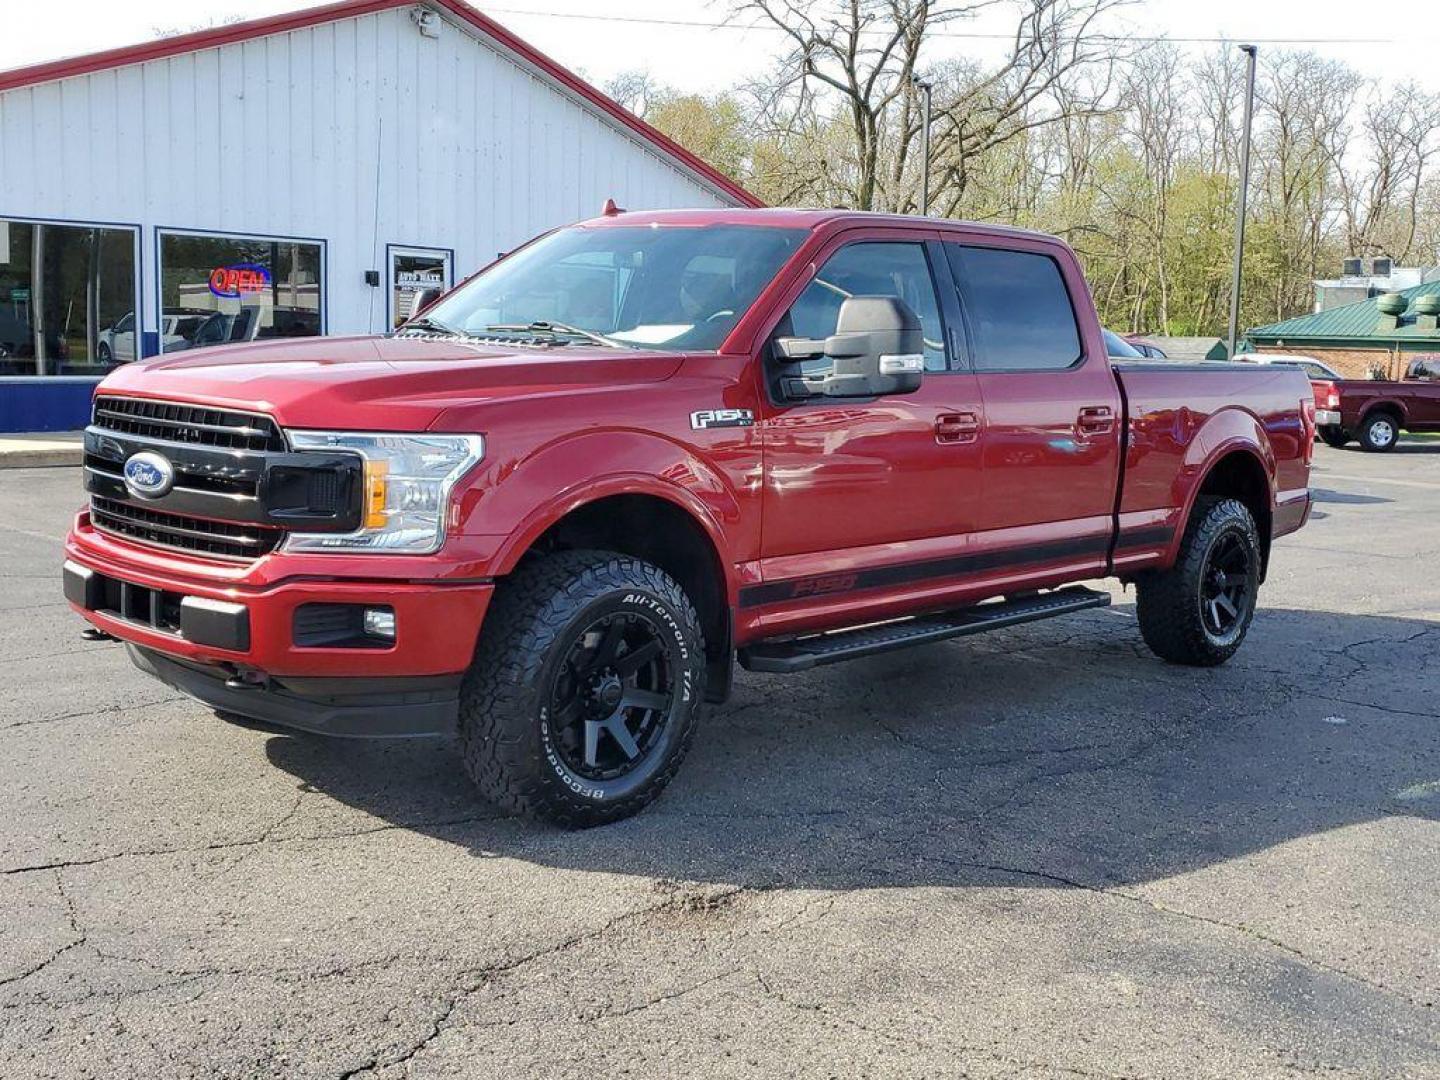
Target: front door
<point>1052,410</point>
<point>853,489</point>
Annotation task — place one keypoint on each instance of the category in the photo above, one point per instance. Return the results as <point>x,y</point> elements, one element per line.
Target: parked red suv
<point>551,512</point>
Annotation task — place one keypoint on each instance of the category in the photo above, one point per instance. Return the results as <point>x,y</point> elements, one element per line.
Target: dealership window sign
<point>233,282</point>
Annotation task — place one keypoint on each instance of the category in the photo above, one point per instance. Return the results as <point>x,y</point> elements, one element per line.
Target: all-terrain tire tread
<point>1165,600</point>
<point>498,704</point>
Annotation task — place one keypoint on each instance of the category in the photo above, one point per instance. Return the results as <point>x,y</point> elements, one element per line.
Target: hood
<point>378,383</point>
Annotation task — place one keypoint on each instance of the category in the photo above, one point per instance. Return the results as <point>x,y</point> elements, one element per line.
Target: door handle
<point>1096,420</point>
<point>960,427</point>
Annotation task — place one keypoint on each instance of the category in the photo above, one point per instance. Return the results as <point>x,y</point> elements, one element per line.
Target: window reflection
<point>66,291</point>
<point>216,290</point>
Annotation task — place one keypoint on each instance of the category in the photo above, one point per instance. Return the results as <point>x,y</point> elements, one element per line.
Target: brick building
<point>1382,334</point>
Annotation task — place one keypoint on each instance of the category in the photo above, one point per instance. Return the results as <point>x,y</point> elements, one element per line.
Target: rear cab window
<point>1017,307</point>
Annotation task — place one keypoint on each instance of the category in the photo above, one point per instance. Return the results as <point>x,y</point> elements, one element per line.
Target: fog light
<point>380,622</point>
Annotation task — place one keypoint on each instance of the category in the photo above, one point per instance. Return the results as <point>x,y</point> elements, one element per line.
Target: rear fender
<point>1224,433</point>
<point>1391,405</point>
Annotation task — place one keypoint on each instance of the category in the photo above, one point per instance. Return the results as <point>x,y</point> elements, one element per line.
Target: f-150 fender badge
<point>717,418</point>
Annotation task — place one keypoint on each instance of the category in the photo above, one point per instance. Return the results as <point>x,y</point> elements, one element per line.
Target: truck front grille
<point>191,425</point>
<point>226,539</point>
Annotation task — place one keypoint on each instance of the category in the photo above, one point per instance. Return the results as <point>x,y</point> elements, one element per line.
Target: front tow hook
<point>94,633</point>
<point>247,680</point>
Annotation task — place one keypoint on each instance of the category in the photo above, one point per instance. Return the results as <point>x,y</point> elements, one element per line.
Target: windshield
<point>679,287</point>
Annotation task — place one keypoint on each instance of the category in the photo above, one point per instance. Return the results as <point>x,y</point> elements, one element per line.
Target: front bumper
<point>370,708</point>
<point>1327,418</point>
<point>199,626</point>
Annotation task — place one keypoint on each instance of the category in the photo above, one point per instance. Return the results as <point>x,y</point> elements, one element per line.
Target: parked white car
<point>1313,368</point>
<point>177,327</point>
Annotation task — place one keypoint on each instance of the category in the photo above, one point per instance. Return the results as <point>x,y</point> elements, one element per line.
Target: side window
<point>870,269</point>
<point>1018,308</point>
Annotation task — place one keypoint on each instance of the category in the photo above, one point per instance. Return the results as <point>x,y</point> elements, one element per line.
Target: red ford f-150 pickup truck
<point>1376,411</point>
<point>550,513</point>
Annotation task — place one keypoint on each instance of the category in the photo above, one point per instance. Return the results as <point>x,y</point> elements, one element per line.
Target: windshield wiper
<point>434,326</point>
<point>556,329</point>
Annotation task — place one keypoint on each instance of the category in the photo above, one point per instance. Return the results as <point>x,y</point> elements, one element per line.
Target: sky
<point>644,35</point>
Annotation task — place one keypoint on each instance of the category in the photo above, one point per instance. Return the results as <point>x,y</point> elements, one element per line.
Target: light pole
<point>924,87</point>
<point>1249,51</point>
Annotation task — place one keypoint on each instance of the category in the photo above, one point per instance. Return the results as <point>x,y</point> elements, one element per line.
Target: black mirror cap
<point>878,346</point>
<point>872,314</point>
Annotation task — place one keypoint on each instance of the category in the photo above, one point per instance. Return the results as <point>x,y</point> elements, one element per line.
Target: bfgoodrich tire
<point>1198,612</point>
<point>582,700</point>
<point>1379,432</point>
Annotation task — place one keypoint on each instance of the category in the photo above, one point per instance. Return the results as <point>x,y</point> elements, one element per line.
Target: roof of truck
<point>801,218</point>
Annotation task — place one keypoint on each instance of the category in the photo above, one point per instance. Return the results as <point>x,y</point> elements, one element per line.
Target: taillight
<point>1326,395</point>
<point>1307,414</point>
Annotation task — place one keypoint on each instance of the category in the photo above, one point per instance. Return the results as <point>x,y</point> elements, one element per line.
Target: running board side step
<point>801,654</point>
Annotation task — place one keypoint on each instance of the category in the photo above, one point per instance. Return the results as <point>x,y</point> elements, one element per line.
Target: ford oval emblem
<point>149,475</point>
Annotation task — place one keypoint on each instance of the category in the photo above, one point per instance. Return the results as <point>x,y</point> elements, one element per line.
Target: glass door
<point>416,273</point>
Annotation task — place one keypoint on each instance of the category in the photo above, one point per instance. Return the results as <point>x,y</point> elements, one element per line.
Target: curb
<point>31,453</point>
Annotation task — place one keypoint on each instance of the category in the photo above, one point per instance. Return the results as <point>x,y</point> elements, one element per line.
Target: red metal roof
<point>346,9</point>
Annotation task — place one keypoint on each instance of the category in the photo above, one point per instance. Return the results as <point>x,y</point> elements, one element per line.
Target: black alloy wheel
<point>611,697</point>
<point>1227,587</point>
<point>585,690</point>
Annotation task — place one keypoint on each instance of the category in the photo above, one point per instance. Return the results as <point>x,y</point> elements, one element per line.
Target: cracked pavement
<point>1034,853</point>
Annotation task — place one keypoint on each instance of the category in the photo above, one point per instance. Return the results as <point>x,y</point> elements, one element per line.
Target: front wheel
<point>1379,432</point>
<point>1334,436</point>
<point>1199,610</point>
<point>582,700</point>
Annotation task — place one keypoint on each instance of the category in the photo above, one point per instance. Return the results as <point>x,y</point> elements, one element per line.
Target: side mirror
<point>878,348</point>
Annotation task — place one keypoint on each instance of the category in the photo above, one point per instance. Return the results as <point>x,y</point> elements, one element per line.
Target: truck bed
<point>1181,415</point>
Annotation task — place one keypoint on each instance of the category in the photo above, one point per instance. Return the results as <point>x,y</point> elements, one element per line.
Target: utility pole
<point>925,88</point>
<point>1249,51</point>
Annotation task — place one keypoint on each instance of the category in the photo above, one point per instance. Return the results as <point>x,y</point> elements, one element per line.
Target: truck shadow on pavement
<point>1056,755</point>
<point>1345,498</point>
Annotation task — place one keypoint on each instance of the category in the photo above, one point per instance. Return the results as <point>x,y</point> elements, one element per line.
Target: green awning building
<point>1382,334</point>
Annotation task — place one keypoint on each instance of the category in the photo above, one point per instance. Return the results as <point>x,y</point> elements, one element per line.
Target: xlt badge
<point>717,418</point>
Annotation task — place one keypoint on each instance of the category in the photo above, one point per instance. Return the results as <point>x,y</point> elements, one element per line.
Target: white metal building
<point>297,175</point>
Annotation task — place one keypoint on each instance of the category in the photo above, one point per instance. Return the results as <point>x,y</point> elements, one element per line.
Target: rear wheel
<point>1198,612</point>
<point>582,700</point>
<point>1379,432</point>
<point>1334,436</point>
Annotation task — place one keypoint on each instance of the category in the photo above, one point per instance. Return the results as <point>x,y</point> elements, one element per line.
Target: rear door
<point>1052,435</point>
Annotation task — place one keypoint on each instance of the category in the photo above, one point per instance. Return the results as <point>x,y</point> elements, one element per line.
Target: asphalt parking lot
<point>1037,853</point>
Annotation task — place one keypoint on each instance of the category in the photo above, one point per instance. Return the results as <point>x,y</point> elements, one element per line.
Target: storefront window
<point>66,291</point>
<point>416,275</point>
<point>220,289</point>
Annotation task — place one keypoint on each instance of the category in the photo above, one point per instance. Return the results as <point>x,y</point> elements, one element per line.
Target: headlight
<point>408,480</point>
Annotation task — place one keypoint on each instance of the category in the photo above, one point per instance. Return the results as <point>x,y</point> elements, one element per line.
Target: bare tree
<point>858,58</point>
<point>1383,189</point>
